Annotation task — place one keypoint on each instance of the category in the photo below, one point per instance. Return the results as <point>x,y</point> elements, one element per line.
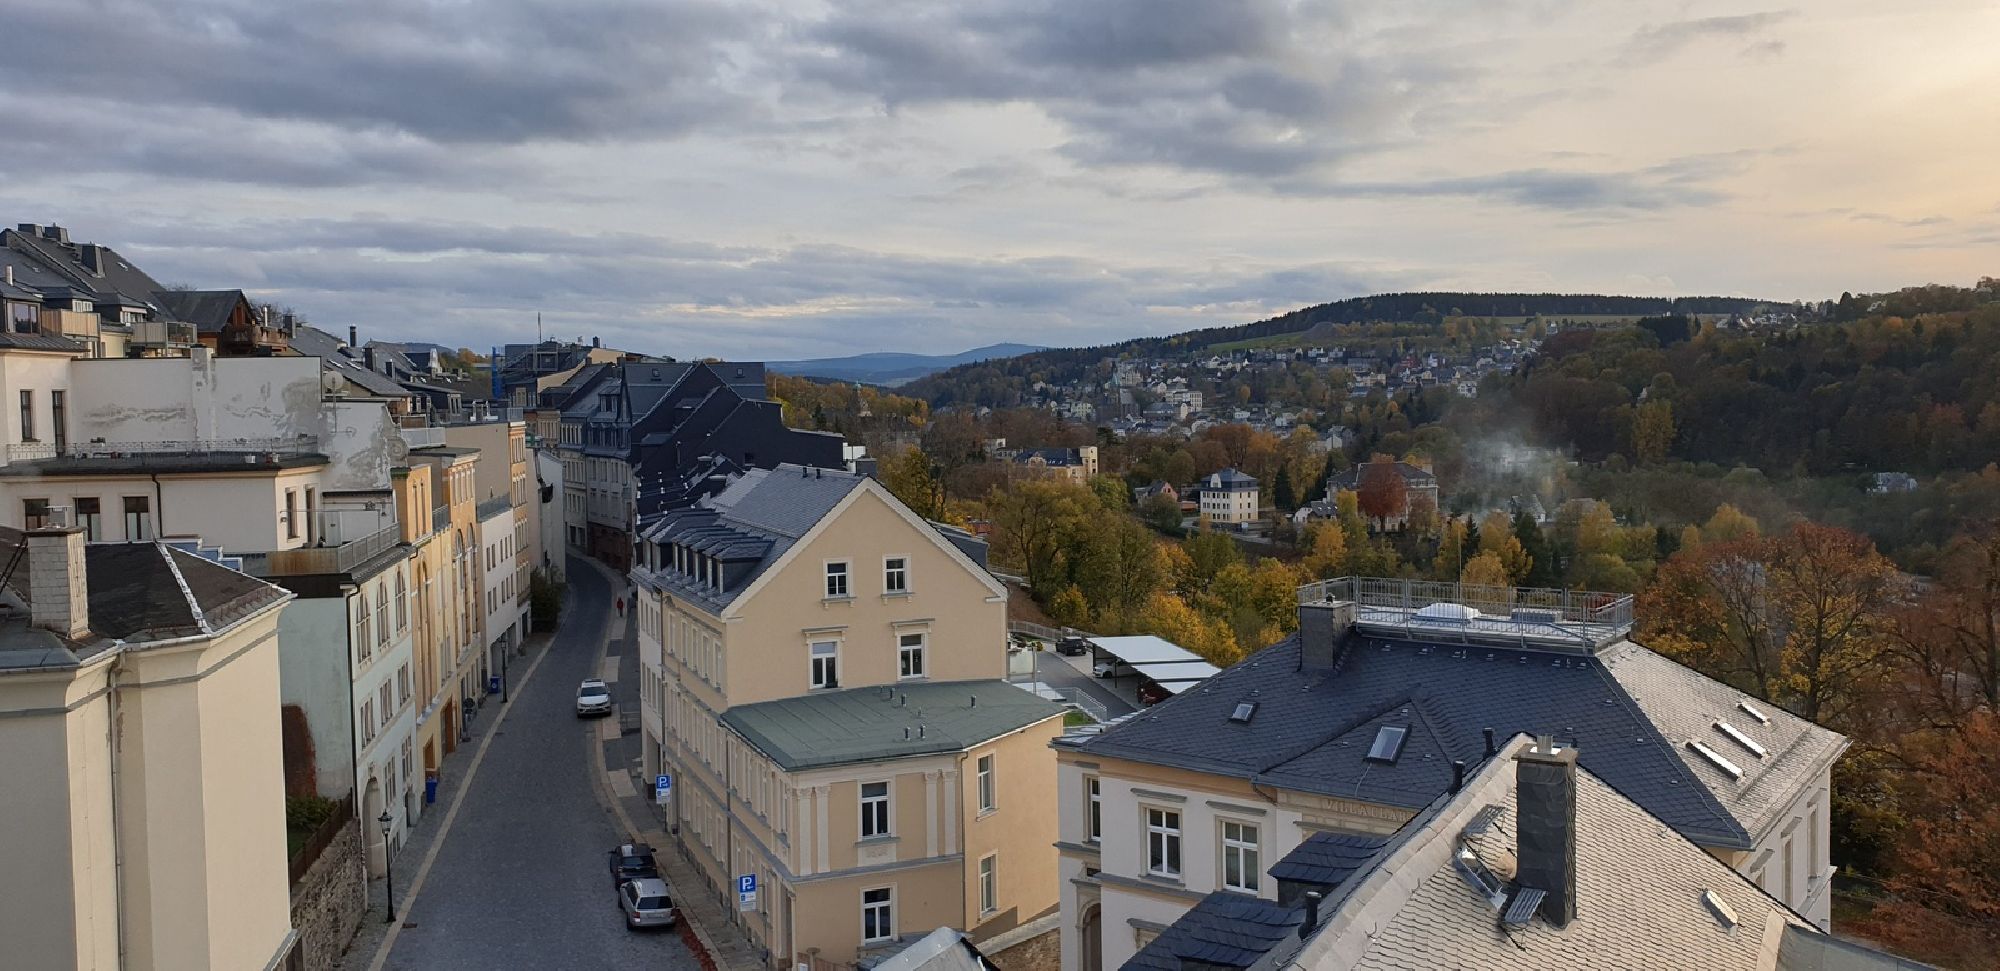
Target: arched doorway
<point>1090,939</point>
<point>371,810</point>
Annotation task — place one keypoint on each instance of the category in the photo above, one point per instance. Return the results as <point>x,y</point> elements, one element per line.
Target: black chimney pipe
<point>1312,915</point>
<point>1489,743</point>
<point>353,336</point>
<point>1457,774</point>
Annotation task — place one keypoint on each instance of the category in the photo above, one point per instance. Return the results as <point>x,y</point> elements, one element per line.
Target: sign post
<point>746,892</point>
<point>662,788</point>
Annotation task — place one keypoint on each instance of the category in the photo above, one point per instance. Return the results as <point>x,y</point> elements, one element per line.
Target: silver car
<point>646,903</point>
<point>593,697</point>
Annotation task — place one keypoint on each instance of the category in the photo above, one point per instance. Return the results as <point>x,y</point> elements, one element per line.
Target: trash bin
<point>493,684</point>
<point>430,788</point>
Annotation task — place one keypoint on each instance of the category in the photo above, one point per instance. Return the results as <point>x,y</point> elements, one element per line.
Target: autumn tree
<point>1652,431</point>
<point>1325,550</point>
<point>1944,895</point>
<point>1496,536</point>
<point>1486,569</point>
<point>908,476</point>
<point>1032,523</point>
<point>1168,616</point>
<point>1118,566</point>
<point>1381,491</point>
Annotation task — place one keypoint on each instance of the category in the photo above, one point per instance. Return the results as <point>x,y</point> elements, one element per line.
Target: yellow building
<point>820,676</point>
<point>434,496</point>
<point>139,741</point>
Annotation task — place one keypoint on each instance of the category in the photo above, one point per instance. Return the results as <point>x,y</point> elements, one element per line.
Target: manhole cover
<point>409,924</point>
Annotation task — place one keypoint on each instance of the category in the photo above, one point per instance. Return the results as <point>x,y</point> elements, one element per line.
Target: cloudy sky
<point>773,179</point>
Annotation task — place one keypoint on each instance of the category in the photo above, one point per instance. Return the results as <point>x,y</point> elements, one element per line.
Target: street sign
<point>662,787</point>
<point>746,892</point>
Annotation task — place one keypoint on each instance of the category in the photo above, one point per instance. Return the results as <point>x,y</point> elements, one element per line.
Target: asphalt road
<point>520,880</point>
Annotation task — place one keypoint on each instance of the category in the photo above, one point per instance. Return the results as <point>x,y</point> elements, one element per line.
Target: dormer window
<point>1388,744</point>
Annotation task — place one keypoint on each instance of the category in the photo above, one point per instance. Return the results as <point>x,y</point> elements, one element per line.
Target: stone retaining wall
<point>329,901</point>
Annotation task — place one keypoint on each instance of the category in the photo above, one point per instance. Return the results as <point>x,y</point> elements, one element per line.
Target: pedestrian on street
<point>621,606</point>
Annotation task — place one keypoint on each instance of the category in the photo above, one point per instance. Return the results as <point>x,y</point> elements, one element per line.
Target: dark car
<point>1151,694</point>
<point>633,861</point>
<point>1072,647</point>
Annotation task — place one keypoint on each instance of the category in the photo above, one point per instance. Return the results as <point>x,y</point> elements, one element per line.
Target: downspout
<point>160,503</point>
<point>117,827</point>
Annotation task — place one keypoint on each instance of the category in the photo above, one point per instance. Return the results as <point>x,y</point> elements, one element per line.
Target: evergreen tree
<point>1281,491</point>
<point>1543,571</point>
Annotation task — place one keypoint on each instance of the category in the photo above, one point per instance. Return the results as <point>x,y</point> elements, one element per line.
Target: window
<point>403,686</point>
<point>989,885</point>
<point>34,513</point>
<point>878,915</point>
<point>138,519</point>
<point>28,416</point>
<point>90,516</point>
<point>402,602</point>
<point>367,722</point>
<point>291,514</point>
<point>1239,856</point>
<point>986,803</point>
<point>826,664</point>
<point>362,642</point>
<point>1093,792</point>
<point>836,580</point>
<point>388,701</point>
<point>59,417</point>
<point>874,809</point>
<point>382,614</point>
<point>1163,842</point>
<point>910,656</point>
<point>896,575</point>
<point>1388,744</point>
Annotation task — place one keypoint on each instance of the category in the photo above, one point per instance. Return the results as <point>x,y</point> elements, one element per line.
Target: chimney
<point>1489,742</point>
<point>368,357</point>
<point>1324,629</point>
<point>1311,922</point>
<point>56,234</point>
<point>1545,787</point>
<point>60,599</point>
<point>291,325</point>
<point>9,271</point>
<point>353,336</point>
<point>595,342</point>
<point>28,229</point>
<point>91,256</point>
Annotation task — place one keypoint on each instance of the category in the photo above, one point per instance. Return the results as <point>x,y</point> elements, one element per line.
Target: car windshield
<point>654,903</point>
<point>633,862</point>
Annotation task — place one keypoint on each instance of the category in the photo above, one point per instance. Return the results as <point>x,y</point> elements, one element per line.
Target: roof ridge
<point>1652,734</point>
<point>187,594</point>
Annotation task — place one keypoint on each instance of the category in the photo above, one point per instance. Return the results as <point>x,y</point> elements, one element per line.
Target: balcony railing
<point>343,558</point>
<point>1523,613</point>
<point>266,448</point>
<point>422,437</point>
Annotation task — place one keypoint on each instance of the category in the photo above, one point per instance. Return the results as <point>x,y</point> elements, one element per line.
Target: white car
<point>593,697</point>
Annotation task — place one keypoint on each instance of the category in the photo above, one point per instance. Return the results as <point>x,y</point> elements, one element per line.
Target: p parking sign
<point>746,892</point>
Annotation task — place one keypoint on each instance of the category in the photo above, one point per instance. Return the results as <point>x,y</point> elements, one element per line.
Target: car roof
<point>648,886</point>
<point>591,683</point>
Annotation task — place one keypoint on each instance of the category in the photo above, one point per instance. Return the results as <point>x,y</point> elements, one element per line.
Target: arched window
<point>363,643</point>
<point>382,614</point>
<point>402,604</point>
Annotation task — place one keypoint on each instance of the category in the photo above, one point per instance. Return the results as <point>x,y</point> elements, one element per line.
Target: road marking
<point>451,815</point>
<point>608,671</point>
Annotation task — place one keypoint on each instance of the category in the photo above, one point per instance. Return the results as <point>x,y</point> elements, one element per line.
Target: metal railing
<point>254,447</point>
<point>1082,700</point>
<point>1512,613</point>
<point>422,436</point>
<point>343,558</point>
<point>1050,634</point>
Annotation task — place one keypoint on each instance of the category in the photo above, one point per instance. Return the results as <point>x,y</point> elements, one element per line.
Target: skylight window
<point>1762,719</point>
<point>1244,711</point>
<point>1388,743</point>
<point>1740,738</point>
<point>1715,758</point>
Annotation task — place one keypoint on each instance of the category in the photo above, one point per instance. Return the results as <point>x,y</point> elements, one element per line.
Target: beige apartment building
<point>821,679</point>
<point>139,738</point>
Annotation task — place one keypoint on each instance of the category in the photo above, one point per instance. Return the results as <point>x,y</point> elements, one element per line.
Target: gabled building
<point>1229,498</point>
<point>1352,726</point>
<point>1073,464</point>
<point>1419,486</point>
<point>821,677</point>
<point>1529,862</point>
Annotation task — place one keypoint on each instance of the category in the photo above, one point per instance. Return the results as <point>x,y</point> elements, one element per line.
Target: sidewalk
<point>715,937</point>
<point>417,841</point>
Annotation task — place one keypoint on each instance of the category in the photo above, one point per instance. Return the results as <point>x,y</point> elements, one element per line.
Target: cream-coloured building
<point>1229,498</point>
<point>793,630</point>
<point>139,741</point>
<point>1390,691</point>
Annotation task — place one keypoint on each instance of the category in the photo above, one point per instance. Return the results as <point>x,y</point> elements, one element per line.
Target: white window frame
<point>1093,809</point>
<point>1248,854</point>
<point>989,884</point>
<point>868,804</point>
<point>905,652</point>
<point>988,787</point>
<point>887,907</point>
<point>1168,838</point>
<point>813,680</point>
<point>845,576</point>
<point>896,578</point>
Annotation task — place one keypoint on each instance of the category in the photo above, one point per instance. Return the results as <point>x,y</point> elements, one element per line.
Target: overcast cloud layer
<point>780,179</point>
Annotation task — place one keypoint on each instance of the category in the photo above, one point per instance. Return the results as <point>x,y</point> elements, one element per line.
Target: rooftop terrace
<point>1580,620</point>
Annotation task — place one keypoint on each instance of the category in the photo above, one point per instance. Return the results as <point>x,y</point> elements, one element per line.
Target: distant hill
<point>889,368</point>
<point>1003,383</point>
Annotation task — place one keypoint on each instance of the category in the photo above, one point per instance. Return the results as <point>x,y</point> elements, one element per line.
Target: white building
<point>1229,498</point>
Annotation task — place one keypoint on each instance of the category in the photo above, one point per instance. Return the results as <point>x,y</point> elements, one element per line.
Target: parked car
<point>1150,693</point>
<point>633,861</point>
<point>646,903</point>
<point>1112,668</point>
<point>1072,647</point>
<point>593,697</point>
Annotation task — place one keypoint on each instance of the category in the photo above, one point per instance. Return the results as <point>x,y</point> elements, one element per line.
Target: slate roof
<point>207,310</point>
<point>1630,711</point>
<point>1327,858</point>
<point>865,724</point>
<point>121,281</point>
<point>1224,930</point>
<point>1229,479</point>
<point>773,507</point>
<point>1640,898</point>
<point>336,356</point>
<point>40,342</point>
<point>1351,479</point>
<point>151,591</point>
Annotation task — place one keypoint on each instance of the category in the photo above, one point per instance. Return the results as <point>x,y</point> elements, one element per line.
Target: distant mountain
<point>889,368</point>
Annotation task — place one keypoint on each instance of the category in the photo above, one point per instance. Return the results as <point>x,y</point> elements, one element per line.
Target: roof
<point>1413,475</point>
<point>944,949</point>
<point>119,280</point>
<point>207,310</point>
<point>337,357</point>
<point>1642,897</point>
<point>770,508</point>
<point>40,342</point>
<point>1230,479</point>
<point>151,591</point>
<point>866,724</point>
<point>1631,711</point>
<point>1327,858</point>
<point>1225,929</point>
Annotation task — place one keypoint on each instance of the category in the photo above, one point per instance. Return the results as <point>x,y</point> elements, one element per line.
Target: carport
<point>1150,661</point>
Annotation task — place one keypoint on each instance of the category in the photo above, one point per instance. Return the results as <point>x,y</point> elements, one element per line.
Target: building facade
<point>1229,498</point>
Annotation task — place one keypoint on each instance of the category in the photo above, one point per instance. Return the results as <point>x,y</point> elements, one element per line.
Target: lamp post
<point>388,867</point>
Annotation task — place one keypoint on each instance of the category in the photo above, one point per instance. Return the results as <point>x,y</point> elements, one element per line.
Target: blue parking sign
<point>662,786</point>
<point>746,892</point>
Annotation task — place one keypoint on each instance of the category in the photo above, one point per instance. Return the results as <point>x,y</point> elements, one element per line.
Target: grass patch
<point>1073,718</point>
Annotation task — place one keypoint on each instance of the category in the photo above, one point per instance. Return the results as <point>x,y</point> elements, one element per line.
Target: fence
<point>331,559</point>
<point>1541,604</point>
<point>308,854</point>
<point>1038,631</point>
<point>257,447</point>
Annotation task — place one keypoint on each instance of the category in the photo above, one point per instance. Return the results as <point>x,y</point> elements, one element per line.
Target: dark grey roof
<point>1351,479</point>
<point>1224,930</point>
<point>119,281</point>
<point>1314,728</point>
<point>1230,479</point>
<point>337,357</point>
<point>865,724</point>
<point>207,310</point>
<point>772,506</point>
<point>40,342</point>
<point>1327,858</point>
<point>490,508</point>
<point>151,591</point>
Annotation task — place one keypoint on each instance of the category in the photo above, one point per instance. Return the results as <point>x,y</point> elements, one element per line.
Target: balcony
<point>1469,612</point>
<point>422,436</point>
<point>163,333</point>
<point>344,558</point>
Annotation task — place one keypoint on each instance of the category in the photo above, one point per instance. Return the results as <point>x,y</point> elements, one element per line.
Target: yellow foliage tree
<point>1486,569</point>
<point>1170,617</point>
<point>1728,525</point>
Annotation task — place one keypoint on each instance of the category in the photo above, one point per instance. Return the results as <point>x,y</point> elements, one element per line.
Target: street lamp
<point>388,867</point>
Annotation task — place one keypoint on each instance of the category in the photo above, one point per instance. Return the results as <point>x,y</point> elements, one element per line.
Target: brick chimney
<point>1545,826</point>
<point>58,594</point>
<point>1324,629</point>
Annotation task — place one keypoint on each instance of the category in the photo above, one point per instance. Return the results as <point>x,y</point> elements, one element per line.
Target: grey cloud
<point>1549,189</point>
<point>1657,41</point>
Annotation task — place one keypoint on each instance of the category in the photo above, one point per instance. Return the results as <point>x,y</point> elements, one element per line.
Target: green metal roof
<point>867,724</point>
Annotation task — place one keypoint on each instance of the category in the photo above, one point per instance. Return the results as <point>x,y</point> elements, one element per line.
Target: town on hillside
<point>1478,644</point>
